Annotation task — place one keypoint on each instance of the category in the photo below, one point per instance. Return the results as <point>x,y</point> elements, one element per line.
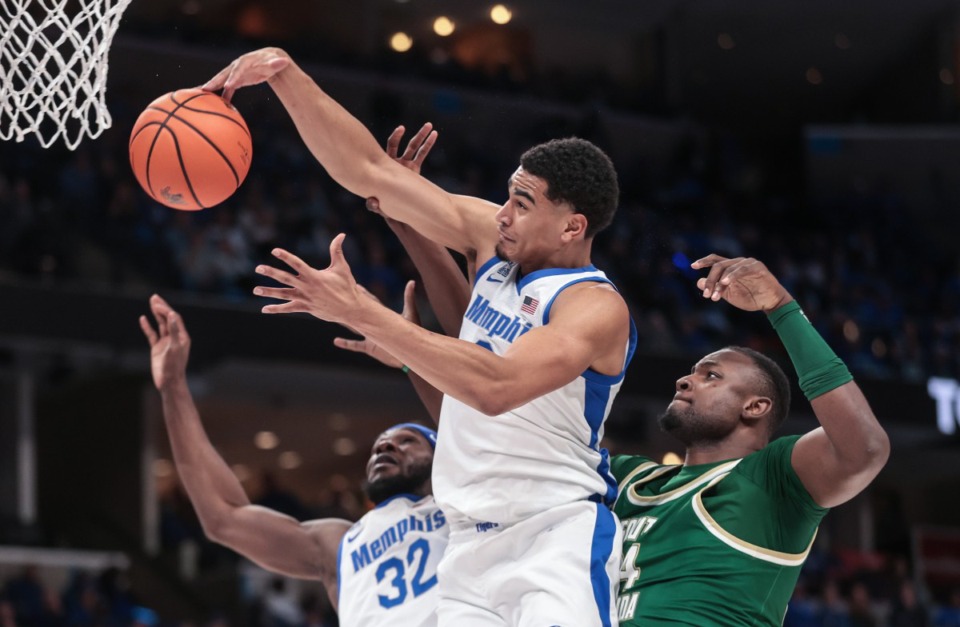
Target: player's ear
<point>575,227</point>
<point>756,407</point>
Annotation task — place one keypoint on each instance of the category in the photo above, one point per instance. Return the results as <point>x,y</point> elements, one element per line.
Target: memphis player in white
<point>379,571</point>
<point>518,471</point>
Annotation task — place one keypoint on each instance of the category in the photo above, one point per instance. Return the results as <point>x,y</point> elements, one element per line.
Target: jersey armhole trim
<point>767,555</point>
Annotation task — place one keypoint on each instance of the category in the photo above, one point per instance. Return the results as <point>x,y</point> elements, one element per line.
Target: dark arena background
<point>820,137</point>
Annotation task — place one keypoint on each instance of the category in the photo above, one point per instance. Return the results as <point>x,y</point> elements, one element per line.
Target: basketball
<point>190,149</point>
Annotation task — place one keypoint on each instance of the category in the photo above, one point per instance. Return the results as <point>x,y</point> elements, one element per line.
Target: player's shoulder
<point>776,450</point>
<point>625,467</point>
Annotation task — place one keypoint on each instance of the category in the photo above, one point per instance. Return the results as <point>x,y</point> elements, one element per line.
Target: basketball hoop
<point>53,68</point>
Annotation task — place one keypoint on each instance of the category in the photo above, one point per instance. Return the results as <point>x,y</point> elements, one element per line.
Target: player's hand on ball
<point>250,69</point>
<point>169,343</point>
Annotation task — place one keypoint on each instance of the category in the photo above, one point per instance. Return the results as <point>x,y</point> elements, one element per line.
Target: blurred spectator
<point>907,610</point>
<point>949,615</point>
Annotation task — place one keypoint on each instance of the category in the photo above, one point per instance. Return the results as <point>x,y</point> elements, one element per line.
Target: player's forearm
<point>340,142</point>
<point>446,286</point>
<point>857,438</point>
<point>468,372</point>
<point>211,485</point>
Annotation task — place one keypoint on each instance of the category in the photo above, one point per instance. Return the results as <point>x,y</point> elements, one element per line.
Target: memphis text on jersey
<point>497,323</point>
<point>369,552</point>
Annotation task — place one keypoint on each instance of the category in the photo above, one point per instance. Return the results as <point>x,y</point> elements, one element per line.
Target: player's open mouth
<point>385,460</point>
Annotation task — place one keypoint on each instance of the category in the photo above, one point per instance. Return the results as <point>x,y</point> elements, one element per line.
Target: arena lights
<point>344,447</point>
<point>289,460</point>
<point>725,41</point>
<point>444,26</point>
<point>338,422</point>
<point>842,41</point>
<point>947,77</point>
<point>401,42</point>
<point>814,77</point>
<point>266,440</point>
<point>500,14</point>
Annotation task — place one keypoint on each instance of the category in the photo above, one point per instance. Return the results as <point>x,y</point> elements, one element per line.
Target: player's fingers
<point>416,141</point>
<point>280,293</point>
<point>717,269</point>
<point>393,142</point>
<point>356,346</point>
<point>425,148</point>
<point>217,81</point>
<point>287,257</point>
<point>178,332</point>
<point>291,307</point>
<point>410,300</point>
<point>373,205</point>
<point>148,331</point>
<point>709,260</point>
<point>336,251</point>
<point>278,275</point>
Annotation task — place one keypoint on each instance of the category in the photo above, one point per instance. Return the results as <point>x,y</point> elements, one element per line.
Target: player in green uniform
<point>720,540</point>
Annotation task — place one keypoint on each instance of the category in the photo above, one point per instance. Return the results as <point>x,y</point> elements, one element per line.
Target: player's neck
<point>713,452</point>
<point>572,256</point>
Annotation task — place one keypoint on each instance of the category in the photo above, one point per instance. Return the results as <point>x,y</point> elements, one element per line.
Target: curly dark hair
<point>774,383</point>
<point>578,172</point>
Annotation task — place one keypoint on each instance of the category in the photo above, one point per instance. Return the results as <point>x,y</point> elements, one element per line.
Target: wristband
<point>817,366</point>
<point>404,369</point>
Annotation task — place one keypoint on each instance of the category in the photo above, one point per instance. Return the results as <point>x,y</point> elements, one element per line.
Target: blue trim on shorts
<point>604,533</point>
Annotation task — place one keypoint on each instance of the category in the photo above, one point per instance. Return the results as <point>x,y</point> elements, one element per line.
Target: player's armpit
<point>280,543</point>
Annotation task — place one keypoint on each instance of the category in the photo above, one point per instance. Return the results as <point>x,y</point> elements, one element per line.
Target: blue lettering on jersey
<point>496,323</point>
<point>369,552</point>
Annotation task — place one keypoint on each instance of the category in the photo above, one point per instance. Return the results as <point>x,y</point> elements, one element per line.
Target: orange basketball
<point>190,149</point>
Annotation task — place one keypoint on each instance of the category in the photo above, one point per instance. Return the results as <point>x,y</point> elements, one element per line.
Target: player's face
<point>529,223</point>
<point>709,401</point>
<point>400,462</point>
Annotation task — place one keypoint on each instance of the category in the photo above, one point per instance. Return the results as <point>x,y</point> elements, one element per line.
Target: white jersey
<point>503,469</point>
<point>387,564</point>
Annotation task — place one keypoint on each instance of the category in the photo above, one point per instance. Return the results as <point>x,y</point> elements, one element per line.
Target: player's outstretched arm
<point>273,540</point>
<point>838,460</point>
<point>589,328</point>
<point>447,289</point>
<point>351,155</point>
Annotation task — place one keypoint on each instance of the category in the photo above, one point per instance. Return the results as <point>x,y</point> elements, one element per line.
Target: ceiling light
<point>401,42</point>
<point>443,26</point>
<point>289,460</point>
<point>344,447</point>
<point>946,77</point>
<point>725,41</point>
<point>814,77</point>
<point>162,468</point>
<point>266,440</point>
<point>500,14</point>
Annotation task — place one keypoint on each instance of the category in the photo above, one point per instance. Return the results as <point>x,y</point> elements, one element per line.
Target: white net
<point>53,68</point>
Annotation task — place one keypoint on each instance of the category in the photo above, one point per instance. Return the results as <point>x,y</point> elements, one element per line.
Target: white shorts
<point>558,568</point>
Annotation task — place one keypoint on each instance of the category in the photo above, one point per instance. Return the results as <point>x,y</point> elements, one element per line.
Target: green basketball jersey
<point>714,544</point>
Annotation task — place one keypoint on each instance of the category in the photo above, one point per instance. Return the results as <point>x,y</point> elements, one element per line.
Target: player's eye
<point>714,374</point>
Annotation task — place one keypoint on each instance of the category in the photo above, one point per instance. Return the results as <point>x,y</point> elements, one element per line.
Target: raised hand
<point>169,343</point>
<point>372,349</point>
<point>250,69</point>
<point>329,294</point>
<point>412,158</point>
<point>743,282</point>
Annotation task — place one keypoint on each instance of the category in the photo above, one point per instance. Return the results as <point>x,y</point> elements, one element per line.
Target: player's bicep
<point>282,544</point>
<point>823,472</point>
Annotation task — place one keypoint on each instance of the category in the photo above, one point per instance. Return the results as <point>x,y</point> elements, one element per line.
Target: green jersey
<point>714,544</point>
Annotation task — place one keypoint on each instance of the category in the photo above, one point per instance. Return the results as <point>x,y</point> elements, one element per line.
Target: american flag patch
<point>529,305</point>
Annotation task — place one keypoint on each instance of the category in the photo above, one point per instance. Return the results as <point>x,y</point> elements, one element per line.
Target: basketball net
<point>53,68</point>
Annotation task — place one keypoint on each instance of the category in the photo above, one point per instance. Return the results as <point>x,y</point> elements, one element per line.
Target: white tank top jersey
<point>503,469</point>
<point>387,564</point>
